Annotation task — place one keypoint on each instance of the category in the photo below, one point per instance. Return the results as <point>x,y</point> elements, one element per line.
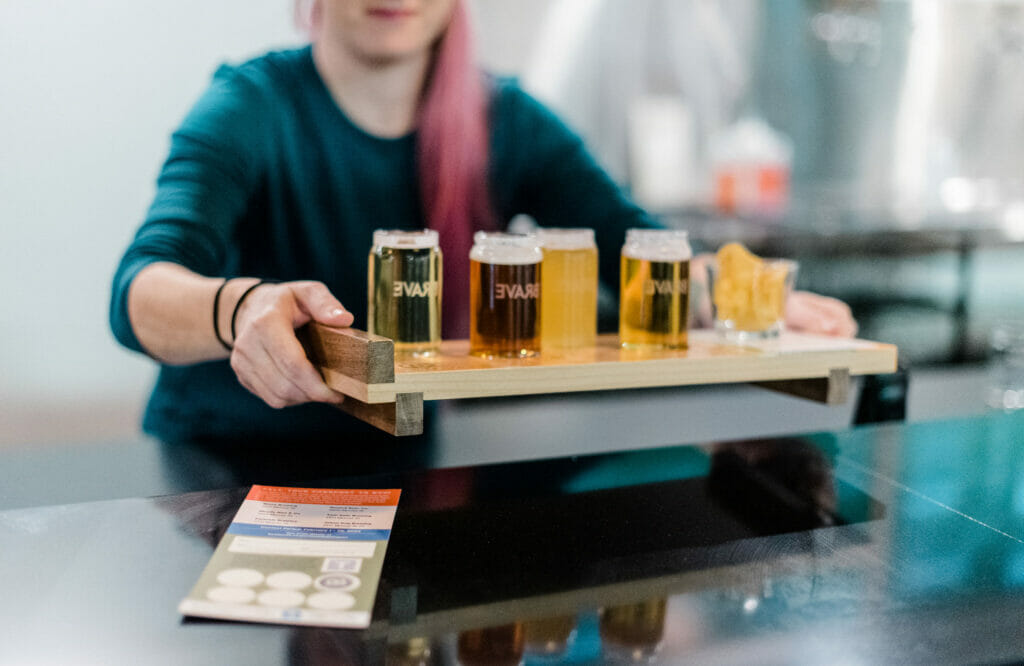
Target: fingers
<point>268,359</point>
<point>814,313</point>
<point>316,301</point>
<point>272,364</point>
<point>837,318</point>
<point>823,315</point>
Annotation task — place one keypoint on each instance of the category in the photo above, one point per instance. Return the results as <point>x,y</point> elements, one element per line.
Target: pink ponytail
<point>453,161</point>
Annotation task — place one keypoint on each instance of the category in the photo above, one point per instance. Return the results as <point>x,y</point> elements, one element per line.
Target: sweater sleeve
<point>203,187</point>
<point>557,182</point>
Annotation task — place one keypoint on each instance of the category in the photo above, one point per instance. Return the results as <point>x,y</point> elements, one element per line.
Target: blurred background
<point>877,142</point>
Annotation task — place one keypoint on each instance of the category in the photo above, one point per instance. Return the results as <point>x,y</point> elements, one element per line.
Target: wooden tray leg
<point>349,359</point>
<point>400,418</point>
<point>831,390</point>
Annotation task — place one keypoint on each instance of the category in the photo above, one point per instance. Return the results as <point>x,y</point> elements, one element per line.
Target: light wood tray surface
<point>366,368</point>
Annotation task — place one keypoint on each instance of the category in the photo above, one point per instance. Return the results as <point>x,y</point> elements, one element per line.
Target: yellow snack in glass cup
<point>749,293</point>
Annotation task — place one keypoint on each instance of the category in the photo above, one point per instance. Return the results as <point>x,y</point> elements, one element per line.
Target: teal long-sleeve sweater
<point>267,177</point>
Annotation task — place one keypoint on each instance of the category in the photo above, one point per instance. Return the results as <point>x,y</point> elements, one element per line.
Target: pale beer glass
<point>548,637</point>
<point>504,295</point>
<point>654,289</point>
<point>633,632</point>
<point>404,288</point>
<point>569,289</point>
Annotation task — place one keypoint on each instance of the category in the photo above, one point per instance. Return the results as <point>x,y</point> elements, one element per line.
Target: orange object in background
<point>725,191</point>
<point>752,190</point>
<point>750,170</point>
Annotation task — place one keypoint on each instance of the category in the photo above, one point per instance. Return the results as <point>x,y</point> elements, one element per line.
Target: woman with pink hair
<point>275,181</point>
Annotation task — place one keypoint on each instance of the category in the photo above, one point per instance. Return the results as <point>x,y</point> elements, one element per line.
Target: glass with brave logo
<point>654,289</point>
<point>405,290</point>
<point>504,293</point>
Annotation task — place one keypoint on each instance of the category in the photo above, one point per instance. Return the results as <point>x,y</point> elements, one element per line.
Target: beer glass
<point>413,652</point>
<point>569,289</point>
<point>634,631</point>
<point>654,289</point>
<point>405,290</point>
<point>549,636</point>
<point>504,294</point>
<point>492,646</point>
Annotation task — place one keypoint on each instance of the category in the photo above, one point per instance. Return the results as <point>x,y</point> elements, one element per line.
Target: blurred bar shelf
<point>818,230</point>
<point>836,231</point>
<point>388,391</point>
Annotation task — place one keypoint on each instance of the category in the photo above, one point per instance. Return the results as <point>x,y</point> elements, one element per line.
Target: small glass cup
<point>749,304</point>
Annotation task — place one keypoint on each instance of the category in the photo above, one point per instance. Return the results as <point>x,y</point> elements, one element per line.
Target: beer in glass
<point>492,646</point>
<point>549,636</point>
<point>405,290</point>
<point>633,632</point>
<point>569,290</point>
<point>654,289</point>
<point>504,294</point>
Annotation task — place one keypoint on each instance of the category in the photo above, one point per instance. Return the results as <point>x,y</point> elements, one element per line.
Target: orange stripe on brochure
<point>356,497</point>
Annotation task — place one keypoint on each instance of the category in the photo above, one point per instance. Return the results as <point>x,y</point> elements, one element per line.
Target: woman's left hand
<point>813,313</point>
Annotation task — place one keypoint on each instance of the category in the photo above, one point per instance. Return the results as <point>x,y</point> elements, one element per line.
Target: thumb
<point>316,301</point>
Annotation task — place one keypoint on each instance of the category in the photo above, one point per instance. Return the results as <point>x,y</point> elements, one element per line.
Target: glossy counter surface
<point>887,544</point>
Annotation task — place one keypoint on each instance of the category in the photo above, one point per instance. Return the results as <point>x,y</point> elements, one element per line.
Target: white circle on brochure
<point>289,580</point>
<point>240,577</point>
<point>331,601</point>
<point>281,598</point>
<point>337,582</point>
<point>230,595</point>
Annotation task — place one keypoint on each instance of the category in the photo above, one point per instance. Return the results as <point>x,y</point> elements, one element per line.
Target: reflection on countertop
<point>474,432</point>
<point>879,544</point>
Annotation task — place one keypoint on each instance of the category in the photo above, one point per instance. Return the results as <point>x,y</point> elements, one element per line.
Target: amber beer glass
<point>493,646</point>
<point>504,294</point>
<point>654,289</point>
<point>569,289</point>
<point>405,290</point>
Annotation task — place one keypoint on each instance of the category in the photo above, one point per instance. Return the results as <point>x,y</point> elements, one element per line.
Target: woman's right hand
<point>268,358</point>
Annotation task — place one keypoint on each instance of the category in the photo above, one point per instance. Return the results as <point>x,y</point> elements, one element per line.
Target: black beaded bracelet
<point>216,320</point>
<point>234,313</point>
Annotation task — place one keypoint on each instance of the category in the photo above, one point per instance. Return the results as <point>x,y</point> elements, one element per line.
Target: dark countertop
<point>899,543</point>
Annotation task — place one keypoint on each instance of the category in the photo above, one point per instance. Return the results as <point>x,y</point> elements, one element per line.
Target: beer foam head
<point>657,245</point>
<point>566,239</point>
<point>398,238</point>
<point>498,247</point>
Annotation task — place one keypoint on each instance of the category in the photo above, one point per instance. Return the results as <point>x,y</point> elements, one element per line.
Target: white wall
<point>89,93</point>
